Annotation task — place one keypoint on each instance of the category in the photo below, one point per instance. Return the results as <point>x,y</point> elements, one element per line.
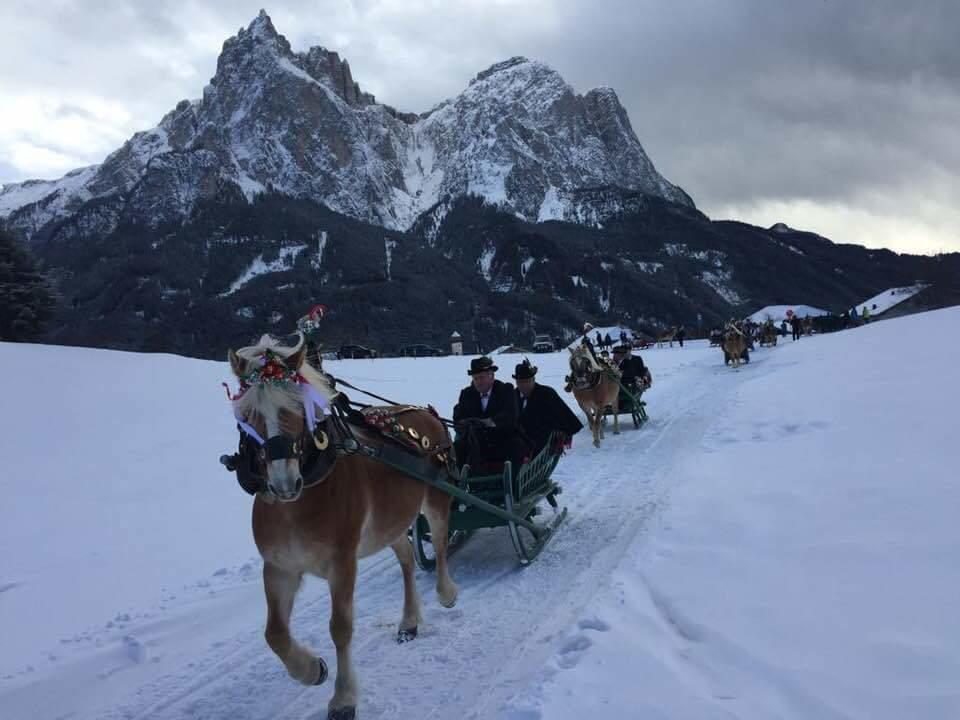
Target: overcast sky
<point>838,116</point>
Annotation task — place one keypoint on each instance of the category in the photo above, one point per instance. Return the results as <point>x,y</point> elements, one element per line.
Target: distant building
<point>928,297</point>
<point>456,344</point>
<point>881,304</point>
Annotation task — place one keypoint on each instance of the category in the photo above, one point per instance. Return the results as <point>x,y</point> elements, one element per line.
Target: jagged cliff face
<point>298,123</point>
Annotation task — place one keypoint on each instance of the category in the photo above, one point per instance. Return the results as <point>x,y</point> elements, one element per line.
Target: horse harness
<point>343,431</point>
<point>590,379</point>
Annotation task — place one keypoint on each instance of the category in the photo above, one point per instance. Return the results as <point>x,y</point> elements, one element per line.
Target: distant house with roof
<point>779,313</point>
<point>888,299</point>
<point>919,297</point>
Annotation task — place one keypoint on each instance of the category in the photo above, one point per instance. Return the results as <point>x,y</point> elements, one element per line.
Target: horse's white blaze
<point>282,474</point>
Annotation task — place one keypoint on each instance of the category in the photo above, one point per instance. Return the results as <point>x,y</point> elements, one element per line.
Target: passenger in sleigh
<point>542,411</point>
<point>635,376</point>
<point>485,418</point>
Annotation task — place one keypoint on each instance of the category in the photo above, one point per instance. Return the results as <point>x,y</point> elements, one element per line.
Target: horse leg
<point>616,418</point>
<point>281,587</point>
<point>596,427</point>
<point>342,581</point>
<point>411,598</point>
<point>437,510</point>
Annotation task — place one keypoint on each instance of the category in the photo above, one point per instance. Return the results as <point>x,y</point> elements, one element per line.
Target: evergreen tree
<point>27,298</point>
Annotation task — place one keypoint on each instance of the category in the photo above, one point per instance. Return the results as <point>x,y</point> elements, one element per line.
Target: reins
<point>344,383</point>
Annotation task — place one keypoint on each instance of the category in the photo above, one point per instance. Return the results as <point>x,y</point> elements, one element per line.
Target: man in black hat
<point>542,411</point>
<point>485,418</point>
<point>634,373</point>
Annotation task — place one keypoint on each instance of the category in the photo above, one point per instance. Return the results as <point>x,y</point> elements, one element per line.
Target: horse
<point>358,509</point>
<point>596,389</point>
<point>734,345</point>
<point>667,336</point>
<point>769,334</point>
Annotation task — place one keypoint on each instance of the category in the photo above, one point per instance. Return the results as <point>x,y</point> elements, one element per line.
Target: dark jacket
<point>501,407</point>
<point>545,412</point>
<point>505,440</point>
<point>632,369</point>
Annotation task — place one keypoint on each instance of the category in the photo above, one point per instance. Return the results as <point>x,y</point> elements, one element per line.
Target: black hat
<point>481,364</point>
<point>525,371</point>
<point>621,349</point>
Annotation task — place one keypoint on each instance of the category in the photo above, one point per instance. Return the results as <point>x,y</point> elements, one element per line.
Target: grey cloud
<point>67,110</point>
<point>740,102</point>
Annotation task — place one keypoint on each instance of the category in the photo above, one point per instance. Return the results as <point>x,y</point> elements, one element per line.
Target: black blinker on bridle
<point>280,447</point>
<point>249,462</point>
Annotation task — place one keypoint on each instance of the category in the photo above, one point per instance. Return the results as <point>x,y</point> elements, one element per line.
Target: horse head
<point>583,367</point>
<point>276,408</point>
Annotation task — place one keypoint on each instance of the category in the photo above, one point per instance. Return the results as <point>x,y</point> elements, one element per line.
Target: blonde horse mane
<point>283,396</point>
<point>581,351</point>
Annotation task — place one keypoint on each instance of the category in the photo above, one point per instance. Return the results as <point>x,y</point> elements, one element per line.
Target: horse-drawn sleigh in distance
<point>608,389</point>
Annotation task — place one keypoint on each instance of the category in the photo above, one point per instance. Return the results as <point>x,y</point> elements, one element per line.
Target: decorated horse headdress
<point>276,377</point>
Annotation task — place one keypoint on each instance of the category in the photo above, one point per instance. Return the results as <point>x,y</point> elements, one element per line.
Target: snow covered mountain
<point>298,123</point>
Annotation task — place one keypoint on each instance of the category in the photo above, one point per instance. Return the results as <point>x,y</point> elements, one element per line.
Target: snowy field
<point>779,541</point>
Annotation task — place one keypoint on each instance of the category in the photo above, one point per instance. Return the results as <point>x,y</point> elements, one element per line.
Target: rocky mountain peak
<point>500,66</point>
<point>518,136</point>
<point>327,67</point>
<point>258,38</point>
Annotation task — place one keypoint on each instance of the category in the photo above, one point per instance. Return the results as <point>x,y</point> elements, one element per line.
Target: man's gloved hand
<point>468,423</point>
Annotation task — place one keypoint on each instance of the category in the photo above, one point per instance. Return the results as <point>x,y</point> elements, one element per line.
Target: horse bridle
<point>250,461</point>
<point>584,377</point>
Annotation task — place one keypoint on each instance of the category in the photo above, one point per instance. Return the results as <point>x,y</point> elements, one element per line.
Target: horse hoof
<point>405,635</point>
<point>347,712</point>
<point>321,672</point>
<point>448,602</point>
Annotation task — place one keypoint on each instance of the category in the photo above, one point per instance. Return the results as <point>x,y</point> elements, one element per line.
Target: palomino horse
<point>667,336</point>
<point>769,334</point>
<point>359,508</point>
<point>595,389</point>
<point>734,345</point>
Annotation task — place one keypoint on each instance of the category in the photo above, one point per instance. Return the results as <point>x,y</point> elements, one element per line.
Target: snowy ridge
<point>288,256</point>
<point>518,137</point>
<point>718,281</point>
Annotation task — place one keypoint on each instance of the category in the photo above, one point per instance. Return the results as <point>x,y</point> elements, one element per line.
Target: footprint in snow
<point>572,651</point>
<point>593,623</point>
<point>135,650</point>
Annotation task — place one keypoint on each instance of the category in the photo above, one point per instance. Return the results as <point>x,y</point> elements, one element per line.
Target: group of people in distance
<point>496,422</point>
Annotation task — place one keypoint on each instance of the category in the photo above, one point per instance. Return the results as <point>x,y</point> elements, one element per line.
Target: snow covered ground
<point>778,541</point>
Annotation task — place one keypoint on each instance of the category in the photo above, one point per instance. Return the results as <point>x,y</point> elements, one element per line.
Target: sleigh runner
<point>497,496</point>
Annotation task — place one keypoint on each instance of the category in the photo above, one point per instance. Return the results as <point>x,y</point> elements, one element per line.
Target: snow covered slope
<point>736,557</point>
<point>806,564</point>
<point>518,136</point>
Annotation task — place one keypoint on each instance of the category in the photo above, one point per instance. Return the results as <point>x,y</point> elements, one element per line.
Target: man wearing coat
<point>635,374</point>
<point>542,411</point>
<point>485,418</point>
